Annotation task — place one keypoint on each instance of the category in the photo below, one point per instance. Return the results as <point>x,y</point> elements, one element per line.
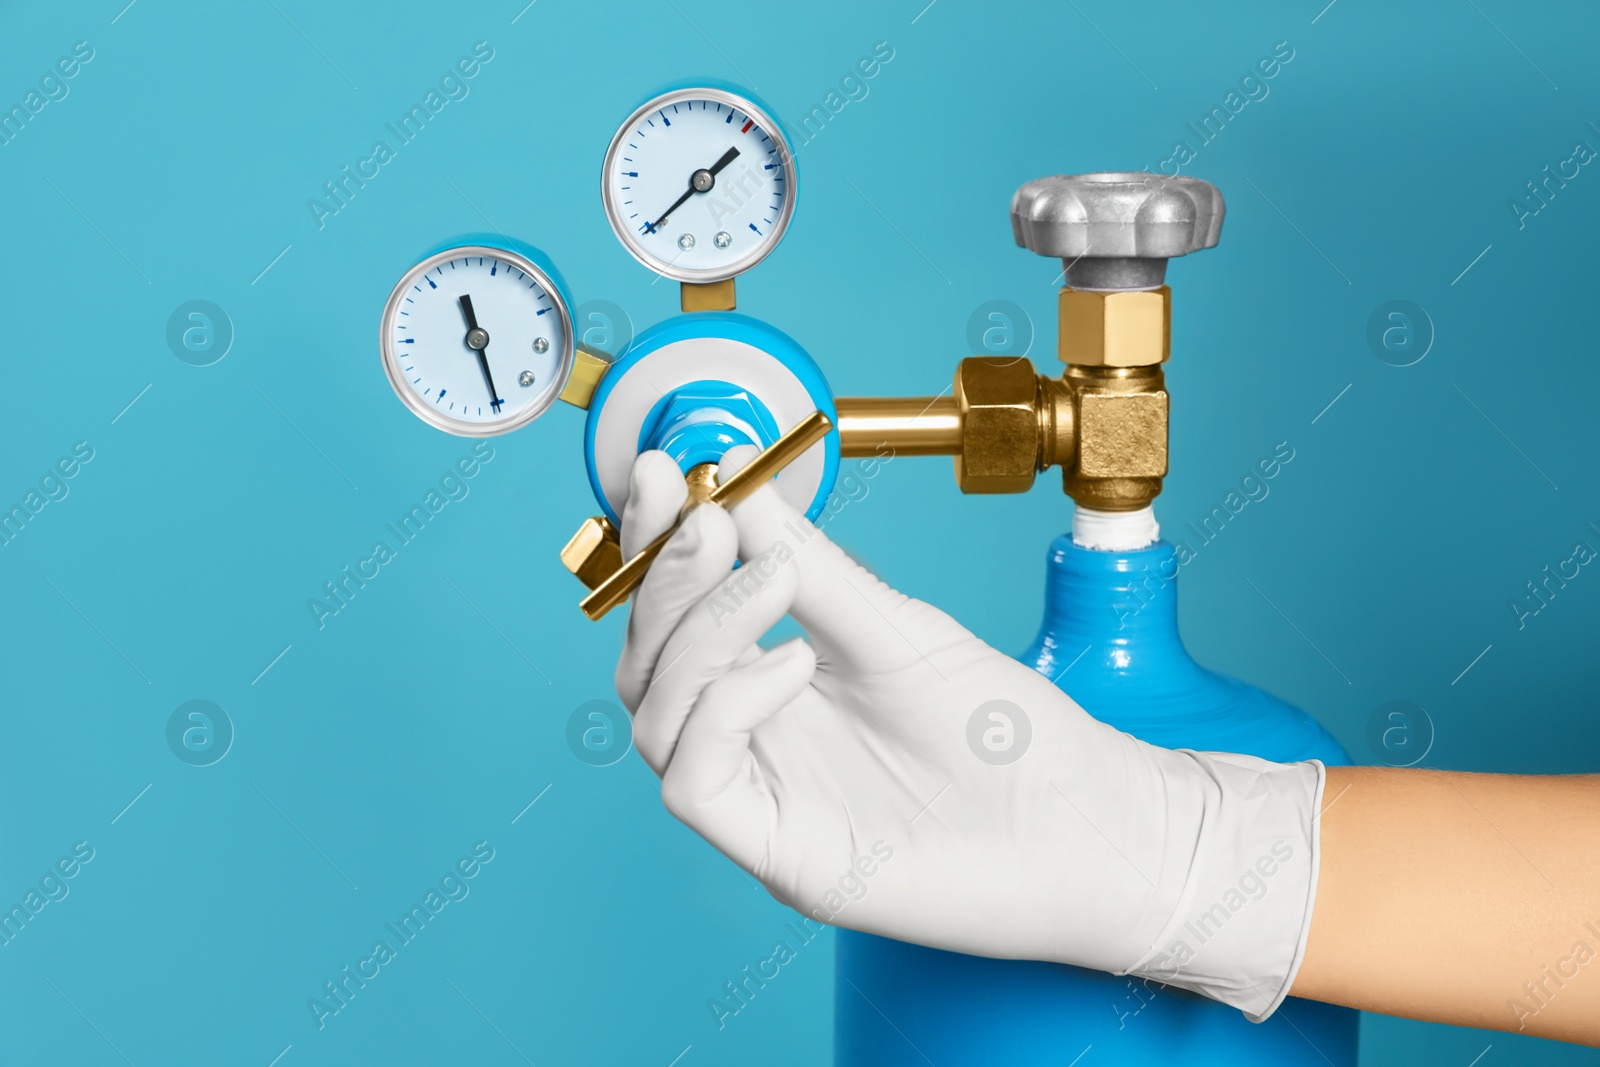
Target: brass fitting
<point>708,296</point>
<point>898,425</point>
<point>1121,436</point>
<point>588,367</point>
<point>998,403</point>
<point>1103,422</point>
<point>1114,329</point>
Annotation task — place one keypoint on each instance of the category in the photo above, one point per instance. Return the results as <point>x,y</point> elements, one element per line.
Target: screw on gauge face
<point>541,345</point>
<point>478,341</point>
<point>686,241</point>
<point>699,182</point>
<point>723,239</point>
<point>525,379</point>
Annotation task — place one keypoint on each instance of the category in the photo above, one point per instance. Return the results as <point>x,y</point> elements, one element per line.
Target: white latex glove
<point>849,779</point>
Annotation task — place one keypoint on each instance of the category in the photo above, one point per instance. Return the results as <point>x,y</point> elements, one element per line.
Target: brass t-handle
<point>782,452</point>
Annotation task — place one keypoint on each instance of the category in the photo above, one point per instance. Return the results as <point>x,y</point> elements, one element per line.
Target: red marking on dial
<point>746,127</point>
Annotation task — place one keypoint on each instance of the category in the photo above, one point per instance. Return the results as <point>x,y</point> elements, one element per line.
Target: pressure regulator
<point>699,185</point>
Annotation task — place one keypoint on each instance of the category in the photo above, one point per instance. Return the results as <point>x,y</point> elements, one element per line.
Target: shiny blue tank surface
<point>1110,640</point>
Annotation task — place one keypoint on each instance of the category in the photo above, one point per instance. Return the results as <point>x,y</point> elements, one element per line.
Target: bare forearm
<point>1471,899</point>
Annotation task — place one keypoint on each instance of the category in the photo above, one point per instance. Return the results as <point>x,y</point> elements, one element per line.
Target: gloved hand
<point>863,778</point>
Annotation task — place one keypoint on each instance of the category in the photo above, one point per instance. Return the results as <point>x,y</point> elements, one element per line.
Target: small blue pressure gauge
<point>699,185</point>
<point>477,340</point>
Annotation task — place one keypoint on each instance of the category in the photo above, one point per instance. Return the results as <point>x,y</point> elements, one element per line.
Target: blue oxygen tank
<point>1110,639</point>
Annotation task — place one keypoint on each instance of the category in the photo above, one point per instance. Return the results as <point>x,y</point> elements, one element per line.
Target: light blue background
<point>433,709</point>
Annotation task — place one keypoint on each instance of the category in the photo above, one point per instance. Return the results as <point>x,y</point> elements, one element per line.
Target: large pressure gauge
<point>477,340</point>
<point>699,185</point>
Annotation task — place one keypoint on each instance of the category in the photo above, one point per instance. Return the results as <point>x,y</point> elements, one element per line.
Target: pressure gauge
<point>477,340</point>
<point>699,185</point>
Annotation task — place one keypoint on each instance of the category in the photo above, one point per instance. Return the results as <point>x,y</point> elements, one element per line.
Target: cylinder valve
<point>1103,421</point>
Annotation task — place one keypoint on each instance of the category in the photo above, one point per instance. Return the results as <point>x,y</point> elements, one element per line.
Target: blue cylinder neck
<point>1111,618</point>
<point>1125,597</point>
<point>1110,641</point>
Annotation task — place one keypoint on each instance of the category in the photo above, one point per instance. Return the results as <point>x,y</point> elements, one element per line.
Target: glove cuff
<point>1239,931</point>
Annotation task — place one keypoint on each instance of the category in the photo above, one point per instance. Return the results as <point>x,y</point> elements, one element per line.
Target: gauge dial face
<point>699,185</point>
<point>477,341</point>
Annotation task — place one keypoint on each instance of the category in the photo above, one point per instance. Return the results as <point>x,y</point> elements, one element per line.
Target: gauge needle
<point>478,341</point>
<point>699,182</point>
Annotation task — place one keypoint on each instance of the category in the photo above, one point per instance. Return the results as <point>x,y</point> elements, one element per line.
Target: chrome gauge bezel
<point>443,420</point>
<point>616,215</point>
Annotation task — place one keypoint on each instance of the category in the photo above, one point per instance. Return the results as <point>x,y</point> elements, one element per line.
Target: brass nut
<point>999,425</point>
<point>1124,329</point>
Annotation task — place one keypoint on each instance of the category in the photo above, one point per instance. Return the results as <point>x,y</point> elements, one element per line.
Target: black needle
<point>699,182</point>
<point>478,341</point>
<point>727,157</point>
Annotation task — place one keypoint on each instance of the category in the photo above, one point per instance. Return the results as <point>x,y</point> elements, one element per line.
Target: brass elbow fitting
<point>1121,436</point>
<point>1103,422</point>
<point>1113,344</point>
